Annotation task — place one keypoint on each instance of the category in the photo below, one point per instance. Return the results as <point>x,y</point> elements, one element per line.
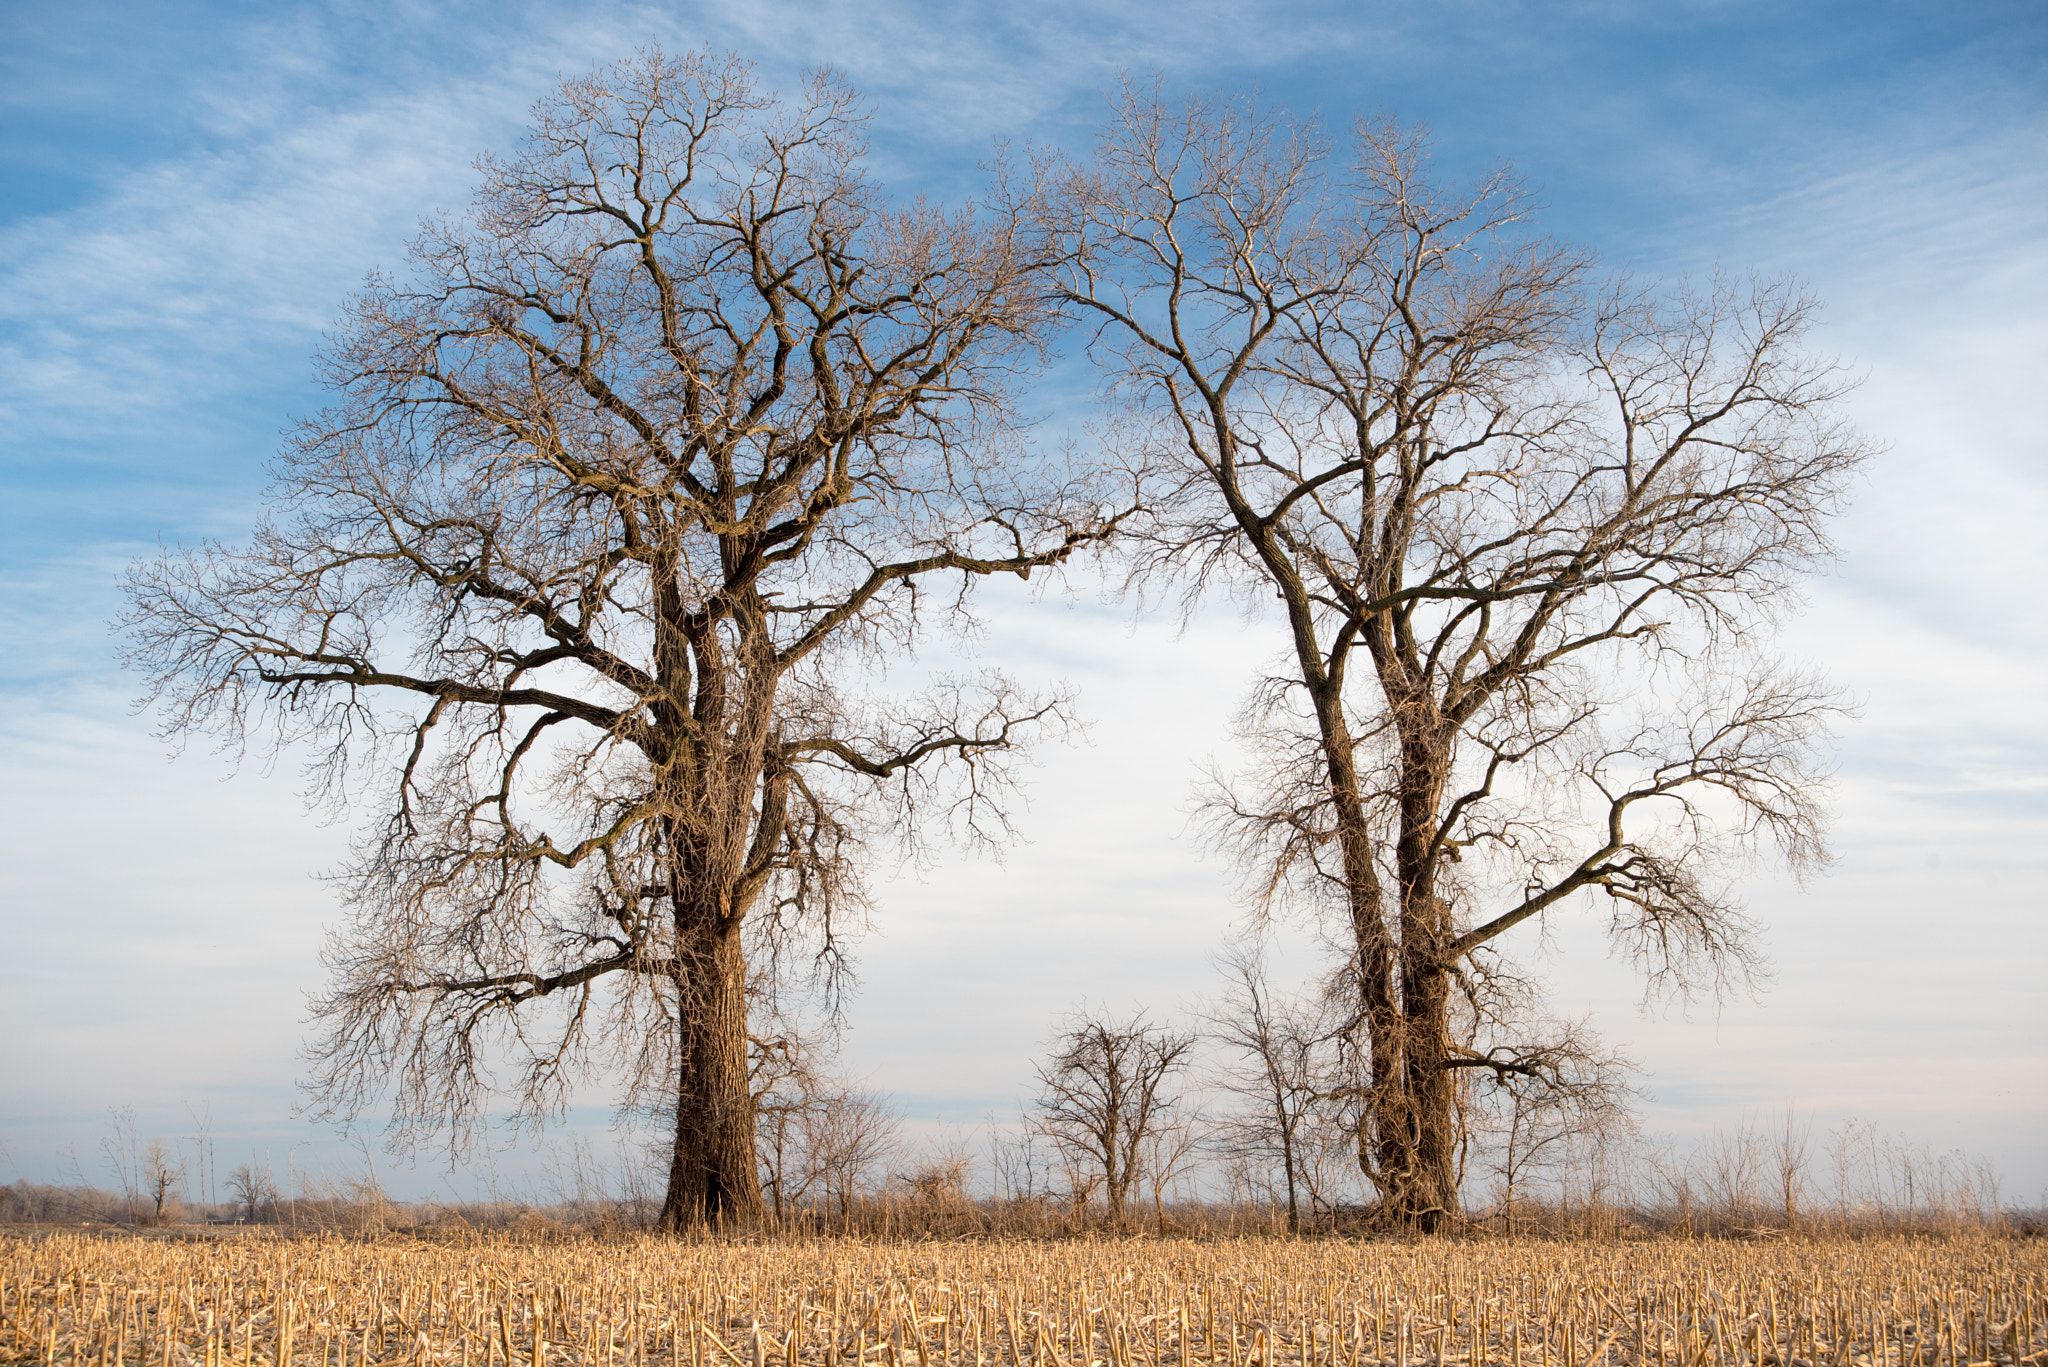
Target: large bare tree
<point>1523,530</point>
<point>651,458</point>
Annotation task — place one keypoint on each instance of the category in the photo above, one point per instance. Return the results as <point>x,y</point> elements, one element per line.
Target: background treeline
<point>853,1171</point>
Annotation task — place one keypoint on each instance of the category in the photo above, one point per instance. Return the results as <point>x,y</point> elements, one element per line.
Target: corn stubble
<point>304,1302</point>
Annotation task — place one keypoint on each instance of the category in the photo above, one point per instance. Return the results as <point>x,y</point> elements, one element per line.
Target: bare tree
<point>1560,1098</point>
<point>683,428</point>
<point>162,1172</point>
<point>1734,1174</point>
<point>850,1135</point>
<point>1019,1174</point>
<point>1173,1146</point>
<point>938,1178</point>
<point>1100,1096</point>
<point>202,1146</point>
<point>787,1087</point>
<point>149,1173</point>
<point>1790,1148</point>
<point>122,1147</point>
<point>1284,1072</point>
<point>1524,531</point>
<point>1850,1146</point>
<point>254,1190</point>
<point>1745,1173</point>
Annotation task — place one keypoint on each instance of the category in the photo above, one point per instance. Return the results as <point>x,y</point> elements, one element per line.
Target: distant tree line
<point>1200,1163</point>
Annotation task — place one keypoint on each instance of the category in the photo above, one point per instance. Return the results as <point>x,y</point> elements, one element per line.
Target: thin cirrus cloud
<point>199,189</point>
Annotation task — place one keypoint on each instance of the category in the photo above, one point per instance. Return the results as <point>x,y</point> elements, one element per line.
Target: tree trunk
<point>1431,1196</point>
<point>1424,1127</point>
<point>1293,1201</point>
<point>1382,1148</point>
<point>712,1177</point>
<point>1113,1188</point>
<point>1407,1132</point>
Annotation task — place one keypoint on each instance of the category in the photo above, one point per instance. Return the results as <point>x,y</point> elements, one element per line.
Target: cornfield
<point>254,1301</point>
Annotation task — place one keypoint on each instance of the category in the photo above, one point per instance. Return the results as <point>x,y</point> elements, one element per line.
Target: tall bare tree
<point>1523,530</point>
<point>1101,1096</point>
<point>675,433</point>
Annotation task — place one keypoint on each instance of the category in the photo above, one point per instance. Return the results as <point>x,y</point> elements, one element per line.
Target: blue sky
<point>190,190</point>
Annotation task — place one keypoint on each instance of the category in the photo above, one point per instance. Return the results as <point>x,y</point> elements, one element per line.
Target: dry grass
<point>256,1301</point>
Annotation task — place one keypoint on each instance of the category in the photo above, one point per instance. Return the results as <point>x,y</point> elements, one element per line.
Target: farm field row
<point>87,1301</point>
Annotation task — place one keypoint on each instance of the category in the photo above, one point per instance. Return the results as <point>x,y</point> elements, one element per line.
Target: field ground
<point>249,1300</point>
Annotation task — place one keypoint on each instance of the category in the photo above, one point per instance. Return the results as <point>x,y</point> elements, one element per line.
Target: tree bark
<point>1430,1197</point>
<point>1383,1148</point>
<point>712,1177</point>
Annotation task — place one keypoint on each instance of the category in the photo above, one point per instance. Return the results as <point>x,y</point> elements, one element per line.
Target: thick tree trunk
<point>1382,1147</point>
<point>1384,1152</point>
<point>1408,1132</point>
<point>712,1176</point>
<point>1431,1197</point>
<point>1409,1137</point>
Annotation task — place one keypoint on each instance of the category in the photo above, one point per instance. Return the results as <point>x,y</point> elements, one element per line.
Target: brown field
<point>266,1301</point>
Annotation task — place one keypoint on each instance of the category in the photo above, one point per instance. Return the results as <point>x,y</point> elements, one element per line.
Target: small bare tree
<point>1733,1173</point>
<point>1284,1072</point>
<point>851,1135</point>
<point>1562,1098</point>
<point>202,1148</point>
<point>1791,1146</point>
<point>1021,1175</point>
<point>1526,533</point>
<point>787,1087</point>
<point>254,1190</point>
<point>122,1147</point>
<point>1172,1151</point>
<point>162,1172</point>
<point>1101,1100</point>
<point>653,456</point>
<point>938,1179</point>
